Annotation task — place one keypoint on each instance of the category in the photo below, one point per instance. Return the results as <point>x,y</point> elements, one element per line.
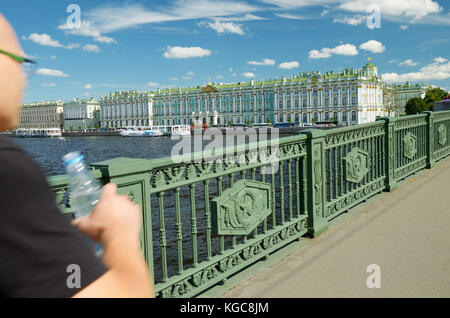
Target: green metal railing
<point>209,216</point>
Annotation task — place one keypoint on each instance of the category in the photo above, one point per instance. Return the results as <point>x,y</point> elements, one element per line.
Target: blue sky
<point>145,45</point>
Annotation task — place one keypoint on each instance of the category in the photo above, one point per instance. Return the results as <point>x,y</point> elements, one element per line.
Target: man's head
<point>12,78</point>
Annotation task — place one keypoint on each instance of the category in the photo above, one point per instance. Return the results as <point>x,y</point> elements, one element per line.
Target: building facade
<point>81,114</point>
<point>41,115</point>
<point>127,108</point>
<point>350,97</point>
<point>406,91</point>
<point>354,96</point>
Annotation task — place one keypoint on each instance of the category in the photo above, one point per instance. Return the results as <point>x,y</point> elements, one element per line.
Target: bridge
<point>303,215</point>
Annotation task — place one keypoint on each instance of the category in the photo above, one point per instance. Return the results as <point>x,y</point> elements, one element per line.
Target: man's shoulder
<point>14,160</point>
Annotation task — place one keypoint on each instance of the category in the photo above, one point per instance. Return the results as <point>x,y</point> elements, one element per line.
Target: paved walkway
<point>405,232</point>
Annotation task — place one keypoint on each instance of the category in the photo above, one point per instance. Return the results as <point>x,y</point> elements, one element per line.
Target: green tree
<point>433,95</point>
<point>230,123</point>
<point>415,105</point>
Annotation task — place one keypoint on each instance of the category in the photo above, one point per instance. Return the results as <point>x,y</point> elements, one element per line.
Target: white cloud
<point>46,40</point>
<point>249,74</point>
<point>263,62</point>
<point>178,52</point>
<point>91,48</point>
<point>356,20</point>
<point>404,27</point>
<point>219,76</point>
<point>234,74</point>
<point>152,84</point>
<point>52,58</point>
<point>289,65</point>
<point>440,60</point>
<point>290,16</point>
<point>247,17</point>
<point>223,27</point>
<point>191,73</point>
<point>113,18</point>
<point>174,79</point>
<point>231,70</point>
<point>49,85</point>
<point>373,46</point>
<point>408,62</point>
<point>87,94</point>
<point>50,72</point>
<point>415,9</point>
<point>86,29</point>
<point>324,12</point>
<point>439,70</point>
<point>343,49</point>
<point>87,86</point>
<point>187,77</point>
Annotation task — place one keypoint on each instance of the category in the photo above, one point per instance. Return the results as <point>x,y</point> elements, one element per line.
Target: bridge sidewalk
<point>405,232</point>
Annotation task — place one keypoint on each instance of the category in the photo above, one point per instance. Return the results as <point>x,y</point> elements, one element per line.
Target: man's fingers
<point>109,189</point>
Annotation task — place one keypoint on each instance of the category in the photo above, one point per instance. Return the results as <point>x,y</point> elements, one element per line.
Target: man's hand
<point>114,217</point>
<point>116,223</point>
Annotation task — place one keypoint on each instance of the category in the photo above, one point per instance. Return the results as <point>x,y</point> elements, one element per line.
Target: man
<point>38,245</point>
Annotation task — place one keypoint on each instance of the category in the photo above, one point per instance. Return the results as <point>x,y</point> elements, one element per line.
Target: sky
<point>91,48</point>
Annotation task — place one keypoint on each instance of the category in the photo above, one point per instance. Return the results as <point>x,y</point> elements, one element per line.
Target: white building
<point>350,97</point>
<point>81,114</point>
<point>41,115</point>
<point>127,108</point>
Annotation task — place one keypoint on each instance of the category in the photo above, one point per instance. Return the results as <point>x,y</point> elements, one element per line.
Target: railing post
<point>389,153</point>
<point>430,139</point>
<point>317,222</point>
<point>132,178</point>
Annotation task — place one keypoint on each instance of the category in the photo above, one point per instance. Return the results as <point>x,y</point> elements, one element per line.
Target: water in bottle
<point>85,190</point>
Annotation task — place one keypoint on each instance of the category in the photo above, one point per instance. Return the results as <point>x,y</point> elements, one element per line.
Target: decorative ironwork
<point>356,165</point>
<point>442,135</point>
<point>410,144</point>
<point>241,208</point>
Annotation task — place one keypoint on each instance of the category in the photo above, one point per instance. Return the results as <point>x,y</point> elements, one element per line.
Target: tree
<point>230,123</point>
<point>289,120</point>
<point>414,106</point>
<point>433,95</point>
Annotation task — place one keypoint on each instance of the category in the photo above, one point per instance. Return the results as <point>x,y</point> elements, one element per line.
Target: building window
<point>353,115</point>
<point>327,116</point>
<point>305,118</point>
<point>335,101</point>
<point>315,102</point>
<point>344,101</point>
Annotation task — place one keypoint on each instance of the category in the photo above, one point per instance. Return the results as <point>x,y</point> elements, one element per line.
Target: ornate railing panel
<point>190,196</point>
<point>355,159</point>
<point>441,134</point>
<point>410,145</point>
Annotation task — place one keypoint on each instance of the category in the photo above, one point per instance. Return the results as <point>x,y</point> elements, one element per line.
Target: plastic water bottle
<point>85,190</point>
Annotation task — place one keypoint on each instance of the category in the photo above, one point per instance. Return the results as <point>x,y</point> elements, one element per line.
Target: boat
<point>132,131</point>
<point>179,130</point>
<point>38,133</point>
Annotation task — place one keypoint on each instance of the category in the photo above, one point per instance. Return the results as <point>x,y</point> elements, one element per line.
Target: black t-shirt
<point>40,250</point>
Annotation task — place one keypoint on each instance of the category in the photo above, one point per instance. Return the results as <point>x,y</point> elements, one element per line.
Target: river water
<point>48,153</point>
